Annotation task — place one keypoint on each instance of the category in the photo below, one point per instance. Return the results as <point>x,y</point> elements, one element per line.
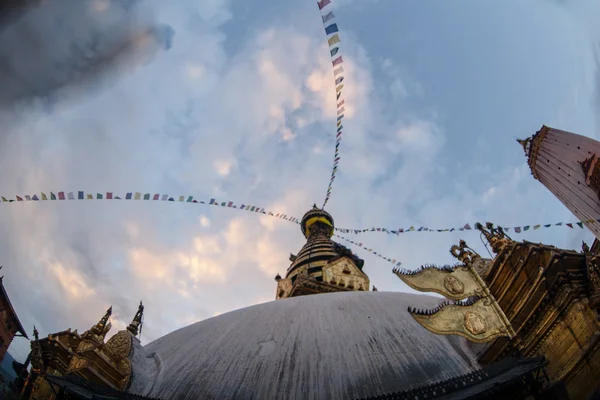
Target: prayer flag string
<point>390,260</point>
<point>333,40</point>
<point>81,195</point>
<point>467,227</point>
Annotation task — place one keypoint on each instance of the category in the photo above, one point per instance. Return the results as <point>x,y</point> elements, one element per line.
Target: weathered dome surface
<point>328,346</point>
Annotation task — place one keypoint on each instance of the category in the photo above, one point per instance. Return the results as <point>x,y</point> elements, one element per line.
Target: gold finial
<point>103,326</point>
<point>135,326</point>
<point>495,236</point>
<point>525,144</point>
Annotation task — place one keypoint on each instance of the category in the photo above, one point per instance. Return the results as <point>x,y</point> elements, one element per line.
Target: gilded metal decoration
<point>479,320</point>
<point>496,237</point>
<point>454,285</point>
<point>119,345</point>
<point>474,323</point>
<point>135,326</point>
<point>76,364</point>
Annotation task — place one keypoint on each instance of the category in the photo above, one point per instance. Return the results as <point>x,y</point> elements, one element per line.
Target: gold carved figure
<point>474,323</point>
<point>453,285</point>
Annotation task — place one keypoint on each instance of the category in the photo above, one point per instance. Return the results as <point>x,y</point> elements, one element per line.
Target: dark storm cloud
<point>66,48</point>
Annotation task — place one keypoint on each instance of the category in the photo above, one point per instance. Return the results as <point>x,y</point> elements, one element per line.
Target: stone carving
<point>453,285</point>
<point>474,323</point>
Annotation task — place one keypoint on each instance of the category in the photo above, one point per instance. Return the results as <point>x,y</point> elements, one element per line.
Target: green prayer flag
<point>147,196</point>
<point>52,196</point>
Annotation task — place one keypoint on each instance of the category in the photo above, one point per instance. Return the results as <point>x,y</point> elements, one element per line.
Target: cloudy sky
<point>235,100</point>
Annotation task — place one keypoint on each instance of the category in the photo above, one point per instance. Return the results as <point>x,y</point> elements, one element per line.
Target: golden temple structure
<point>529,300</point>
<point>85,356</point>
<point>321,266</point>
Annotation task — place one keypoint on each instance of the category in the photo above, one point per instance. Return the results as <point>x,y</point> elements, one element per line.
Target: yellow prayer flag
<point>4,199</point>
<point>44,197</point>
<point>333,40</point>
<point>181,198</point>
<point>89,197</point>
<point>137,196</point>
<point>339,123</point>
<point>337,89</point>
<point>536,227</point>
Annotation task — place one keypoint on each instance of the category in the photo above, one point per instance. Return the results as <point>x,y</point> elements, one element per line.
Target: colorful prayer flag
<point>99,196</point>
<point>89,196</point>
<point>44,197</point>
<point>337,61</point>
<point>19,198</point>
<point>190,198</point>
<point>331,29</point>
<point>338,71</point>
<point>128,196</point>
<point>334,51</point>
<point>333,40</point>
<point>80,195</point>
<point>327,16</point>
<point>109,195</point>
<point>70,196</point>
<point>323,3</point>
<point>156,197</point>
<point>137,196</point>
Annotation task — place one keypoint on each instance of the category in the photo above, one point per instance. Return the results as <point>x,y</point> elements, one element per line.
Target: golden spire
<point>496,237</point>
<point>135,327</point>
<point>102,327</point>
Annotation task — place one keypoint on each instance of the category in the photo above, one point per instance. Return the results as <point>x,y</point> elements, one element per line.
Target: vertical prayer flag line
<point>333,38</point>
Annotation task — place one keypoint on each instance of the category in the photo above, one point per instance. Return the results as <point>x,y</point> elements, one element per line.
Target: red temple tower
<point>567,165</point>
<point>10,326</point>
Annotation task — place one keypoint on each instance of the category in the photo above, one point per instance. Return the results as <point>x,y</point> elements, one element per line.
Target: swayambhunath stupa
<point>497,313</point>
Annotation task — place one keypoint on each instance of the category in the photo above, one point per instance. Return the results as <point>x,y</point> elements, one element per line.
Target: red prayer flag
<point>156,197</point>
<point>109,195</point>
<point>337,61</point>
<point>570,225</point>
<point>61,195</point>
<point>323,3</point>
<point>19,198</point>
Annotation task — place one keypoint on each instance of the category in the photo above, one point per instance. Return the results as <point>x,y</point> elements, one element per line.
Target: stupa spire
<point>321,265</point>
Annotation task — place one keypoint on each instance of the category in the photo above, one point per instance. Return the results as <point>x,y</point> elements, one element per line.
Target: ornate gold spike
<point>99,331</point>
<point>134,326</point>
<point>456,283</point>
<point>496,237</point>
<point>480,322</point>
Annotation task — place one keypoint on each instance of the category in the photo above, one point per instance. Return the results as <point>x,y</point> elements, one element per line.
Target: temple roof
<point>4,295</point>
<point>337,345</point>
